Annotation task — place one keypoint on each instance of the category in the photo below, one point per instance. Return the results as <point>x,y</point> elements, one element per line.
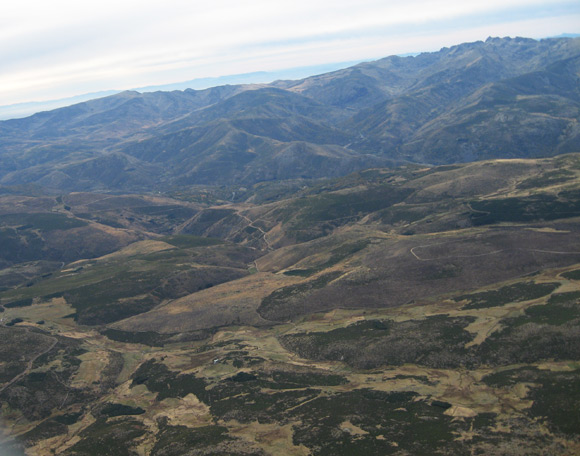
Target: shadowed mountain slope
<point>499,98</point>
<point>524,116</point>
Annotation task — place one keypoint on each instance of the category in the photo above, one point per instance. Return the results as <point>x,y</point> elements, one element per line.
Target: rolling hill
<point>391,310</point>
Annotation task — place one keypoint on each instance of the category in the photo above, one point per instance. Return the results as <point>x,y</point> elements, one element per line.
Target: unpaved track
<point>264,235</point>
<point>30,363</point>
<point>495,252</point>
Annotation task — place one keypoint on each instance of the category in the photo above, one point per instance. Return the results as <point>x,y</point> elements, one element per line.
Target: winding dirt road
<point>30,363</point>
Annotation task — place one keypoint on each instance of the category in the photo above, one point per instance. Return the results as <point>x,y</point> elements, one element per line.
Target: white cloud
<point>58,48</point>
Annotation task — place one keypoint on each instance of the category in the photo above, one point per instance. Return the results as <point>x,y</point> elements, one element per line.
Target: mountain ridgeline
<point>502,98</point>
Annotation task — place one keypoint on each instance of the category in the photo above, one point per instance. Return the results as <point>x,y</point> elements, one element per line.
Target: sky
<point>62,48</point>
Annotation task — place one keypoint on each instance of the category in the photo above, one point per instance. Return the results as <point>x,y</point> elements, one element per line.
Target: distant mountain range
<point>19,110</point>
<point>502,98</point>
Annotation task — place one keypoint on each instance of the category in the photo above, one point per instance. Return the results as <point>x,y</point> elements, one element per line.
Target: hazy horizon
<point>61,49</point>
<point>25,109</point>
